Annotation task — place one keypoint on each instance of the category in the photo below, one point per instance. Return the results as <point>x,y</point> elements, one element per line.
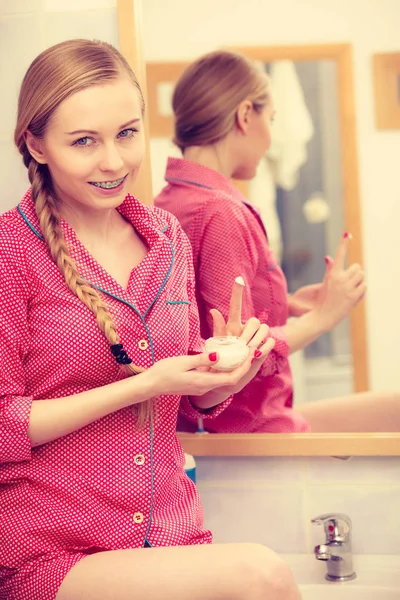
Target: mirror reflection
<point>253,175</point>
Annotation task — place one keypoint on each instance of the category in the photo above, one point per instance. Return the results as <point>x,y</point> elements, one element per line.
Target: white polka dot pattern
<point>228,239</point>
<point>106,486</point>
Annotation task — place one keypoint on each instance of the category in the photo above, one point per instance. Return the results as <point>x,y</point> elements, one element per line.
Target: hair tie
<point>120,354</point>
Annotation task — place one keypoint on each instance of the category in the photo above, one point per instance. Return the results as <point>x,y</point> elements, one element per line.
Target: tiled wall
<point>272,500</point>
<point>26,28</point>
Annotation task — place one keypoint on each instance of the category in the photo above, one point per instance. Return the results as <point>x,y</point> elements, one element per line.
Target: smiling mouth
<point>108,185</point>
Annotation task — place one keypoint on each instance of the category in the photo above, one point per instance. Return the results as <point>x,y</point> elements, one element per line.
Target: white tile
<point>374,512</point>
<point>270,516</point>
<point>9,7</point>
<point>385,469</point>
<point>67,5</point>
<point>13,175</point>
<point>259,470</point>
<point>95,25</point>
<point>21,40</point>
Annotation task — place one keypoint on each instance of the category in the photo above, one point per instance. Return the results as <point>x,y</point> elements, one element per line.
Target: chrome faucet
<point>337,548</point>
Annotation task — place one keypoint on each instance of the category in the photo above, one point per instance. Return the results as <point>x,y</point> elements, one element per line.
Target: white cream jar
<point>232,351</point>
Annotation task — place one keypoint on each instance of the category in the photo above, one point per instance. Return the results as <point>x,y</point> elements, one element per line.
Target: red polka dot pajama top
<point>106,486</point>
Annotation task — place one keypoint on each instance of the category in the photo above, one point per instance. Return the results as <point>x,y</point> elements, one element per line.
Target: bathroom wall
<point>26,28</point>
<point>183,29</point>
<point>272,500</point>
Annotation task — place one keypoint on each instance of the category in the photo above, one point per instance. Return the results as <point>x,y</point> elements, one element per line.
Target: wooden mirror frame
<point>313,444</point>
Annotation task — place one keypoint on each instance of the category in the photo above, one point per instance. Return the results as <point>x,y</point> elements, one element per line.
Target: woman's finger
<point>219,326</point>
<point>250,329</point>
<point>261,353</point>
<point>260,337</point>
<point>355,274</point>
<point>234,324</point>
<point>340,258</point>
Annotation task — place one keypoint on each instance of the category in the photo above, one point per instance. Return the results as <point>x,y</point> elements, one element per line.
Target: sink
<point>378,578</point>
<point>337,592</point>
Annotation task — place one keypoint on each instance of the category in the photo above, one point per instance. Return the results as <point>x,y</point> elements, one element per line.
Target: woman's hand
<point>304,299</point>
<point>256,336</point>
<point>341,290</point>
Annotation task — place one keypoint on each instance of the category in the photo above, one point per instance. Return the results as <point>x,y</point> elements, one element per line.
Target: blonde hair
<point>53,76</point>
<point>208,94</point>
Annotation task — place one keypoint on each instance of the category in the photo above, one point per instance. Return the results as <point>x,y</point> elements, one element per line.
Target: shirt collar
<point>184,172</point>
<point>146,222</point>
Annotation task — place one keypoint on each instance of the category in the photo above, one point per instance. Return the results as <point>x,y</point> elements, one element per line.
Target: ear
<point>243,115</point>
<point>35,147</point>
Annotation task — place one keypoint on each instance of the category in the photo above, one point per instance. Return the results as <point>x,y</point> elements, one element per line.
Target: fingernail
<point>252,360</point>
<point>257,354</point>
<point>212,356</point>
<point>347,235</point>
<point>326,259</point>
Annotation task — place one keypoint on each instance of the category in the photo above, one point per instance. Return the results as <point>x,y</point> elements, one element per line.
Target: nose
<point>111,159</point>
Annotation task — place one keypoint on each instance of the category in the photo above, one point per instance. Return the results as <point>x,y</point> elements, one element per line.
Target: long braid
<point>50,226</point>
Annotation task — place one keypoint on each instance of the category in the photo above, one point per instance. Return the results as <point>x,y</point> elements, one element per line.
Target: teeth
<point>107,185</point>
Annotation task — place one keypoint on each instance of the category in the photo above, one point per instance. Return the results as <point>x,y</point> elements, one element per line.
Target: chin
<point>245,174</point>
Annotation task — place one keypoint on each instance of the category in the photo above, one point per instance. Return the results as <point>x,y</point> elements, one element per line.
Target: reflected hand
<point>342,288</point>
<point>304,299</point>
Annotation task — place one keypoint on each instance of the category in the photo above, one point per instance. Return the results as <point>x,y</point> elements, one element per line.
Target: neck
<point>215,156</point>
<point>96,226</point>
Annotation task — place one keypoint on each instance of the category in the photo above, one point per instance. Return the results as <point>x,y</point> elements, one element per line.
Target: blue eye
<point>85,141</point>
<point>127,133</point>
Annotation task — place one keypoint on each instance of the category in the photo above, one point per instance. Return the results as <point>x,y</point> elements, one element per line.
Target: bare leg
<point>206,572</point>
<point>367,411</point>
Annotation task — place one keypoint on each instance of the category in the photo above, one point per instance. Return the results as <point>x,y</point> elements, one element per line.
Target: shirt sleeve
<point>228,249</point>
<point>15,405</point>
<point>196,343</point>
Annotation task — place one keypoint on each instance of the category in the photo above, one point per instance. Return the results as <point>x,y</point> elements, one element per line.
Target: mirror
<point>298,192</point>
<point>326,202</point>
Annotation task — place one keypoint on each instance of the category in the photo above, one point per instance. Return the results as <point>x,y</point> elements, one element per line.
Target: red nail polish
<point>252,360</point>
<point>326,259</point>
<point>346,235</point>
<point>212,356</point>
<point>257,354</point>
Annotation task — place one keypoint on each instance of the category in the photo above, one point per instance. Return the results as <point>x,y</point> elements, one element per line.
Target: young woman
<point>223,112</point>
<point>95,288</point>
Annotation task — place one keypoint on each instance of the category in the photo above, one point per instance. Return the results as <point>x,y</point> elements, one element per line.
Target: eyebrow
<point>96,132</point>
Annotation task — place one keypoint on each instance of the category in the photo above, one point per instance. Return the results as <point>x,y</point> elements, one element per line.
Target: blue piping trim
<point>25,218</point>
<point>135,310</point>
<point>177,302</point>
<point>152,482</point>
<point>165,278</point>
<point>272,267</point>
<point>176,179</point>
<point>164,229</point>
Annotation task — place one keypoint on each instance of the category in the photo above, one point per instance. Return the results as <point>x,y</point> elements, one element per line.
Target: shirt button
<point>143,344</point>
<point>139,459</point>
<point>138,517</point>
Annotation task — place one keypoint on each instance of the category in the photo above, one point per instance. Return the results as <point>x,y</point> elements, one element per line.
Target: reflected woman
<point>223,111</point>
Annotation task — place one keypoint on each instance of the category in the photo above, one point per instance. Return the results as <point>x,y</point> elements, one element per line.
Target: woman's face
<point>94,146</point>
<point>256,142</point>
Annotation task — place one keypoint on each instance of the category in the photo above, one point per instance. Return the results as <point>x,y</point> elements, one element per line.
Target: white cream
<point>232,351</point>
